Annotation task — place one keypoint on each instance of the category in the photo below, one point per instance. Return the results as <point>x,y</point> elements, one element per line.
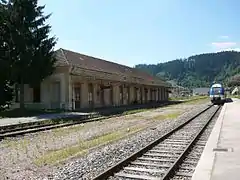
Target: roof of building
<point>67,57</point>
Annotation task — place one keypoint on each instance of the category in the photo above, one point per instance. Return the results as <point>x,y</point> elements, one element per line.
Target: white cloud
<point>224,37</point>
<point>220,45</point>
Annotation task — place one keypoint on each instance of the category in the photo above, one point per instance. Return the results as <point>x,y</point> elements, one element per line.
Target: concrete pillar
<point>156,94</point>
<point>69,96</point>
<point>161,93</point>
<point>107,93</point>
<point>116,95</point>
<point>131,94</point>
<point>167,95</point>
<point>142,94</point>
<point>149,94</point>
<point>121,95</point>
<point>146,95</point>
<point>95,95</point>
<point>84,95</point>
<point>125,96</point>
<point>164,94</point>
<point>138,95</point>
<point>62,90</point>
<point>90,95</point>
<point>45,94</point>
<point>68,102</point>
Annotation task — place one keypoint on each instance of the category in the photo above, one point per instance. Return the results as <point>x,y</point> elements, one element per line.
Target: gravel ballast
<point>20,153</point>
<point>100,159</point>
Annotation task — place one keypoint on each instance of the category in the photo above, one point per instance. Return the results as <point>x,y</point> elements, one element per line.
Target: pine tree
<point>6,90</point>
<point>32,48</point>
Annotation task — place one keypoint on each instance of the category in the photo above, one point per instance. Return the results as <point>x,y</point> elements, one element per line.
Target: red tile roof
<point>67,57</point>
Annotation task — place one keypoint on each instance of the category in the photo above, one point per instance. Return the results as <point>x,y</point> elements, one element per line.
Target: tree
<point>198,70</point>
<point>234,81</point>
<point>6,90</point>
<point>32,47</point>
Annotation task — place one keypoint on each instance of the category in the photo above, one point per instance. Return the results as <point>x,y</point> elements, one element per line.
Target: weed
<point>82,147</point>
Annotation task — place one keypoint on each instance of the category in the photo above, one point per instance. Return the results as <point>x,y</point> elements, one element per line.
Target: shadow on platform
<point>228,100</point>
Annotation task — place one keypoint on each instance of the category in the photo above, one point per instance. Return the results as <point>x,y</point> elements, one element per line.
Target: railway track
<point>165,158</point>
<point>21,129</point>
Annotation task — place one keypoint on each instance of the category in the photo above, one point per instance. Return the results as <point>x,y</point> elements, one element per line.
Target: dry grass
<point>172,115</point>
<point>83,147</point>
<point>201,100</point>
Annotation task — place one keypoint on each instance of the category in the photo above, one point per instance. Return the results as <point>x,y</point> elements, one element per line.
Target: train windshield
<point>217,90</point>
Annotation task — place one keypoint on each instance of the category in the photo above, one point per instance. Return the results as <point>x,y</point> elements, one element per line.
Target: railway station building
<point>82,81</point>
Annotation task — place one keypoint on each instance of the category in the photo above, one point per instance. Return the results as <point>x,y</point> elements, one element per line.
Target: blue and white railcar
<point>217,94</point>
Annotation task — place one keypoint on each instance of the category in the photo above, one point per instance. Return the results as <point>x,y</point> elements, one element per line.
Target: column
<point>62,90</point>
<point>167,94</point>
<point>95,96</point>
<point>156,94</point>
<point>138,95</point>
<point>116,95</point>
<point>142,94</point>
<point>131,94</point>
<point>161,94</point>
<point>164,94</point>
<point>149,94</point>
<point>84,95</point>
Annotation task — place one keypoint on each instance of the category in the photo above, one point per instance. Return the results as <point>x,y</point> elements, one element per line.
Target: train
<point>217,94</point>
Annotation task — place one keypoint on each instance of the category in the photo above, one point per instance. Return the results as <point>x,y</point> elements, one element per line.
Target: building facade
<point>82,81</point>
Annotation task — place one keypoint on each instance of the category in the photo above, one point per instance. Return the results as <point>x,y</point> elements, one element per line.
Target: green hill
<point>198,70</point>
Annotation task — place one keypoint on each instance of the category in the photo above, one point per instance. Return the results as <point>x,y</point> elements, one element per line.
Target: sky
<point>134,32</point>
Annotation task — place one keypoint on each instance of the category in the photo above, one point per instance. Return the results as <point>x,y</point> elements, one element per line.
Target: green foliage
<point>33,49</point>
<point>30,50</point>
<point>234,80</point>
<point>6,92</point>
<point>198,70</point>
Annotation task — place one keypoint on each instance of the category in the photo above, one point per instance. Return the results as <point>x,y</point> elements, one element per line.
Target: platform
<point>44,117</point>
<point>220,159</point>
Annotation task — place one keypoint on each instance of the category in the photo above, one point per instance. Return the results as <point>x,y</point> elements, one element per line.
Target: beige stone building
<point>82,81</point>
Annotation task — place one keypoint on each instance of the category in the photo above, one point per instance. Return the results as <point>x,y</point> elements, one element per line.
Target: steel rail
<point>8,132</point>
<point>171,171</point>
<point>110,171</point>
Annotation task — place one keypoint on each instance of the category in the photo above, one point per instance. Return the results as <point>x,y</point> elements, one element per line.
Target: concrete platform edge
<point>206,162</point>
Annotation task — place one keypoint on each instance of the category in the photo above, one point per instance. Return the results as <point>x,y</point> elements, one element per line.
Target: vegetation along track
<point>163,158</point>
<point>21,129</point>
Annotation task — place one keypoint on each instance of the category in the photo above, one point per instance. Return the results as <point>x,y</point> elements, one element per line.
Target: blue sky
<point>145,31</point>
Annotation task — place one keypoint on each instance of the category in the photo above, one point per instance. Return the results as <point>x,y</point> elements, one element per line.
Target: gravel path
<point>20,154</point>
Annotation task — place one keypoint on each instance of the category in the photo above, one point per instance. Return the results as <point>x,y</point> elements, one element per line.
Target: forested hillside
<point>198,70</point>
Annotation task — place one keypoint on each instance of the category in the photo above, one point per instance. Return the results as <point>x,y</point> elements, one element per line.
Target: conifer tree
<point>32,48</point>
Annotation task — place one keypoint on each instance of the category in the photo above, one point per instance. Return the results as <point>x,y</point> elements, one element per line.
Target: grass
<point>233,96</point>
<point>82,147</point>
<point>62,132</point>
<point>197,100</point>
<point>173,115</point>
<point>134,111</point>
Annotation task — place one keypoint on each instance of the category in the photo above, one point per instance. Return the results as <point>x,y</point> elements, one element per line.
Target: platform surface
<point>221,157</point>
<point>44,117</point>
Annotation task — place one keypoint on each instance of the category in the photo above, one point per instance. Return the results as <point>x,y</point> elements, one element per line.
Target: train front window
<point>216,90</point>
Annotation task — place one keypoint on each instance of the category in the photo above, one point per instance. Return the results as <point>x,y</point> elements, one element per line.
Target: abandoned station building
<point>81,81</point>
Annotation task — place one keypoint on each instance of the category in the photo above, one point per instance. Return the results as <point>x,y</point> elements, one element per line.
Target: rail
<point>123,165</point>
